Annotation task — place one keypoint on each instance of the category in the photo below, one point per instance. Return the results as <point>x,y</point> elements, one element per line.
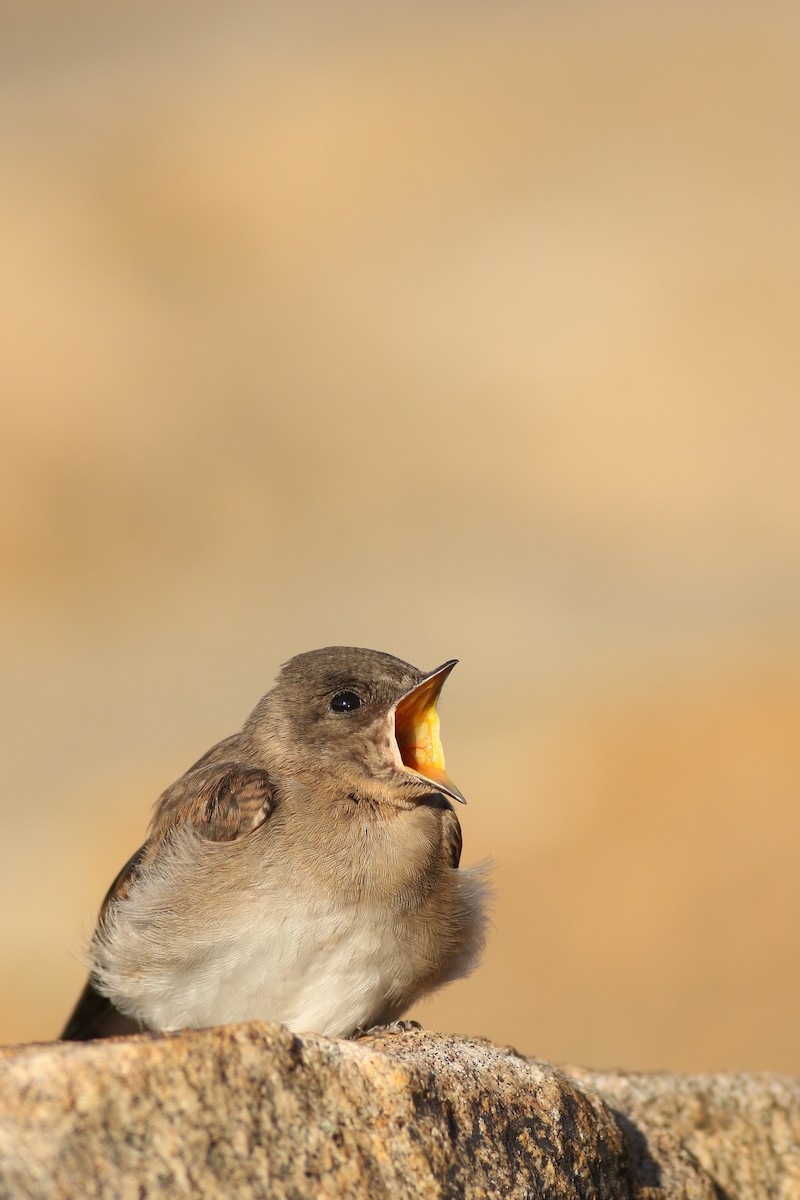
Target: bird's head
<point>363,720</point>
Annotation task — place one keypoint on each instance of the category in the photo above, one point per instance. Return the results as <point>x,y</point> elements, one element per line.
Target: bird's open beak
<point>416,729</point>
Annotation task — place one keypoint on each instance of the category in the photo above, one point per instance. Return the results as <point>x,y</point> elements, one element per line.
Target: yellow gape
<point>417,733</point>
<point>421,748</point>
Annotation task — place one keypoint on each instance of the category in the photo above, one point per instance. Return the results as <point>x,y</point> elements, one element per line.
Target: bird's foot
<point>382,1030</point>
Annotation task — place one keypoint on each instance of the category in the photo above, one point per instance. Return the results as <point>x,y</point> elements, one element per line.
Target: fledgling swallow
<point>304,870</point>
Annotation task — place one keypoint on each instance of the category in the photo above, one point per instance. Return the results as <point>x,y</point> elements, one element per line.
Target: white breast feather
<point>281,955</point>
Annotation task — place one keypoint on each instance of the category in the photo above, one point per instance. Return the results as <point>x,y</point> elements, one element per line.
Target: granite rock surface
<point>255,1111</point>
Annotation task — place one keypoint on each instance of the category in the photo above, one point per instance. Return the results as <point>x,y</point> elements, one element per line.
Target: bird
<point>305,870</point>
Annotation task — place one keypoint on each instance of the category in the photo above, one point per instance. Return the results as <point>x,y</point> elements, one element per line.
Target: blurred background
<point>450,330</point>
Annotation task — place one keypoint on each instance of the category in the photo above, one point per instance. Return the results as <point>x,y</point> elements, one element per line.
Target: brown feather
<point>223,801</point>
<point>451,837</point>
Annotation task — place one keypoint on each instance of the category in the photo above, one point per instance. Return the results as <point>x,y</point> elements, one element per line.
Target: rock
<point>255,1111</point>
<point>743,1129</point>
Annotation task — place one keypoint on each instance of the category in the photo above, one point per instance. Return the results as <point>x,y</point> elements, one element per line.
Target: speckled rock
<point>743,1129</point>
<point>254,1111</point>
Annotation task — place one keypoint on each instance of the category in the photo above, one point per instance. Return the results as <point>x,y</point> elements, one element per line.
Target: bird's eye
<point>345,702</point>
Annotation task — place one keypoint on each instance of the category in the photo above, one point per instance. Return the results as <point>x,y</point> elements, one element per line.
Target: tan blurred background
<point>451,329</point>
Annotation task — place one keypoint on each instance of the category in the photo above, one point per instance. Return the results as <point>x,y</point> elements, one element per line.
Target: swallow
<point>304,870</point>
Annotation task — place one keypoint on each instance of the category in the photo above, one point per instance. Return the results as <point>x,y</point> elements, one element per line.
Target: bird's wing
<point>222,801</point>
<point>451,836</point>
<point>94,1016</point>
